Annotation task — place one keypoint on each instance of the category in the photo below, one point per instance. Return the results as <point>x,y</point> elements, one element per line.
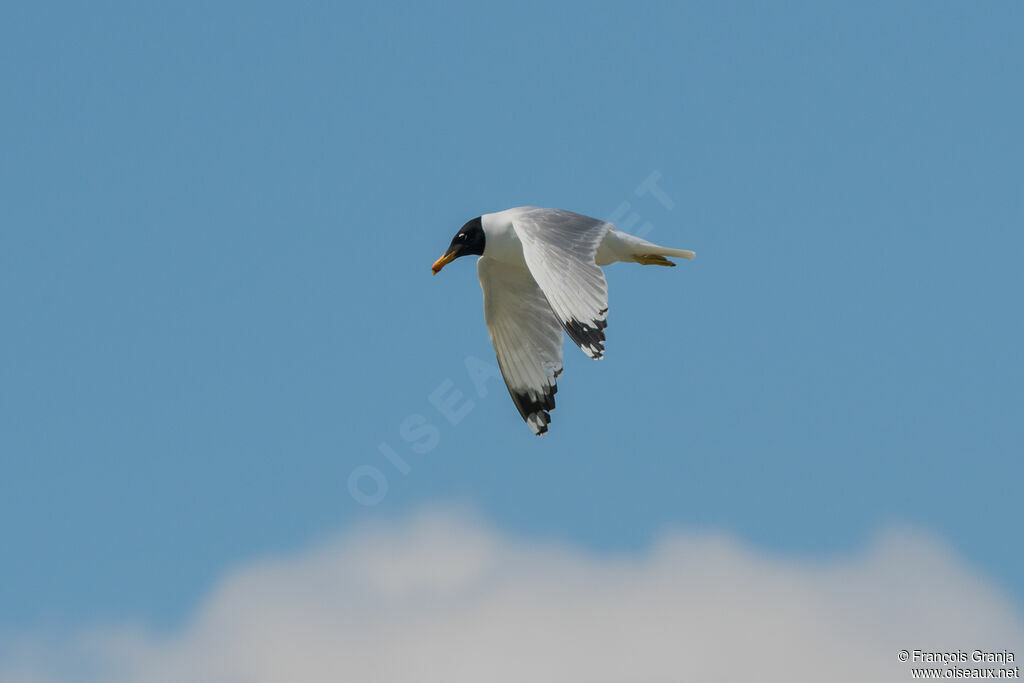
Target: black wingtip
<point>534,408</point>
<point>588,336</point>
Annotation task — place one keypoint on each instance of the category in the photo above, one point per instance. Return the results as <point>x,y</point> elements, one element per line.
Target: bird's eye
<point>462,234</point>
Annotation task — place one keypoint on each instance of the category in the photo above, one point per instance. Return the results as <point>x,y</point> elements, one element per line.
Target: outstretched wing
<point>526,337</point>
<point>559,247</point>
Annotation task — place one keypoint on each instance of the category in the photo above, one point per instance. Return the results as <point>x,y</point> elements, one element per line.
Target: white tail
<point>679,253</point>
<point>621,246</point>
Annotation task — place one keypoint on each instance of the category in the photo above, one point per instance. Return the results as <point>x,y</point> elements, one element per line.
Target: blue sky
<point>216,231</point>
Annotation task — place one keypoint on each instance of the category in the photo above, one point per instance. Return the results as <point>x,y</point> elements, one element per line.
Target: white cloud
<point>442,597</point>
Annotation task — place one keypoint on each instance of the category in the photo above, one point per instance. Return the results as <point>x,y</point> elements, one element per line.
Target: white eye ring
<point>462,234</point>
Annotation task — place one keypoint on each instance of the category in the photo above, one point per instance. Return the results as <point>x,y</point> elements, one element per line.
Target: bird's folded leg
<point>653,260</point>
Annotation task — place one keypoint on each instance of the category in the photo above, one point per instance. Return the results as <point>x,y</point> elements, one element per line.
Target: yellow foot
<point>653,260</point>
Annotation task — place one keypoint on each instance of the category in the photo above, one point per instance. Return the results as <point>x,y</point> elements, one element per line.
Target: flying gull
<point>539,269</point>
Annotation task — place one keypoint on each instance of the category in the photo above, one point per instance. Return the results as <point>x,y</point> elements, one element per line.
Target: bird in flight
<point>539,270</point>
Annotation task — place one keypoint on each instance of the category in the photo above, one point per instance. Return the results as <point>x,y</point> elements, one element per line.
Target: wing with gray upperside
<point>559,248</point>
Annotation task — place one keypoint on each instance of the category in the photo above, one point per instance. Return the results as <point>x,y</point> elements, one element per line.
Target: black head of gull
<point>468,241</point>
